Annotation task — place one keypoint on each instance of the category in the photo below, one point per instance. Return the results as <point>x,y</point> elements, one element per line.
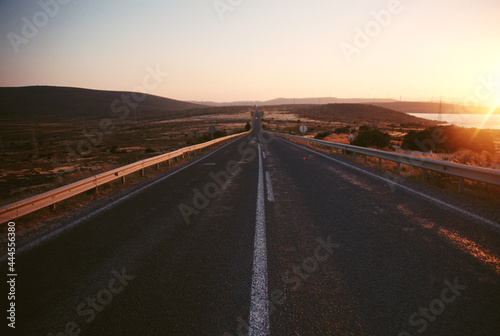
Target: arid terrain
<point>340,115</point>
<point>46,143</point>
<point>55,136</point>
<point>326,118</point>
<point>40,156</point>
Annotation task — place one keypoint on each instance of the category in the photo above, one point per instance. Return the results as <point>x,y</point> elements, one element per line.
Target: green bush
<point>207,136</point>
<point>322,135</point>
<point>448,139</point>
<point>342,130</point>
<point>372,137</point>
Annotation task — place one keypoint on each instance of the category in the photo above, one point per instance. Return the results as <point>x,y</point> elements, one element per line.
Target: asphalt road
<point>265,237</point>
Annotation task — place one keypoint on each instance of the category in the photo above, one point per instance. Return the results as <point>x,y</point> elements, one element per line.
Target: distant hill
<point>47,101</point>
<point>352,114</point>
<point>396,105</point>
<point>302,101</point>
<point>431,107</point>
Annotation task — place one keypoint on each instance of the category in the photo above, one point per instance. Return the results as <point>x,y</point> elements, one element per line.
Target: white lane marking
<point>259,306</point>
<point>433,199</point>
<point>71,225</point>
<point>269,185</point>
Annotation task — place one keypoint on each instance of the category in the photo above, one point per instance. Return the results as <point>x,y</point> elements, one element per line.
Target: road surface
<point>265,237</point>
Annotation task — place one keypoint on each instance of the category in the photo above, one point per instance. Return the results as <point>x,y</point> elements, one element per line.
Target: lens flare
<point>490,112</point>
<point>487,117</point>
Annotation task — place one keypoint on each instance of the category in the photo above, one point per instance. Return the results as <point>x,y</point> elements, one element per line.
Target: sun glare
<point>489,114</point>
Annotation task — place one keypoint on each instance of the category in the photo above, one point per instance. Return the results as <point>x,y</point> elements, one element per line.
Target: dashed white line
<point>259,306</point>
<point>269,185</point>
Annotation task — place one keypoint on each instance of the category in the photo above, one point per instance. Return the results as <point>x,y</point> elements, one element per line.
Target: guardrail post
<point>123,179</point>
<point>365,158</point>
<point>142,172</point>
<point>337,150</point>
<point>354,156</point>
<point>424,175</point>
<point>399,168</point>
<point>380,162</point>
<point>460,185</point>
<point>157,166</point>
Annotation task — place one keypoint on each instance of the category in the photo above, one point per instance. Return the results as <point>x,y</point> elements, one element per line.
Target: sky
<point>230,50</point>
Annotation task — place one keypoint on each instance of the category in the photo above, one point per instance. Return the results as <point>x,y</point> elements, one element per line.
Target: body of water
<point>465,120</point>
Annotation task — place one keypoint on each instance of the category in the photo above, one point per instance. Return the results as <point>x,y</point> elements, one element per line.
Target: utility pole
<point>440,108</point>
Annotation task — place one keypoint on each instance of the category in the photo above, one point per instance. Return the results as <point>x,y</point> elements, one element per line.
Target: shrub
<point>207,136</point>
<point>342,130</point>
<point>448,139</point>
<point>322,135</point>
<point>372,137</point>
<point>471,158</point>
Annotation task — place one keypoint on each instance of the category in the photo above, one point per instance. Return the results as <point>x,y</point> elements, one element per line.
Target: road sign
<point>211,129</point>
<point>303,129</point>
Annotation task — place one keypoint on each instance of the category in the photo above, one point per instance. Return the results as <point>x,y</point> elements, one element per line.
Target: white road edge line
<point>433,199</point>
<point>269,185</point>
<point>71,225</point>
<point>259,305</point>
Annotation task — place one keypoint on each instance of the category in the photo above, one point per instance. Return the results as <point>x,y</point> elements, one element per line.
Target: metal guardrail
<point>34,203</point>
<point>486,175</point>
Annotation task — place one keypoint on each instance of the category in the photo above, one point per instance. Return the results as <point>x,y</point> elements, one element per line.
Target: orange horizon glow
<point>259,50</point>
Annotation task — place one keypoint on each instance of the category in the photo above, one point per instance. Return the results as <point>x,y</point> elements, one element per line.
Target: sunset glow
<point>257,50</point>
